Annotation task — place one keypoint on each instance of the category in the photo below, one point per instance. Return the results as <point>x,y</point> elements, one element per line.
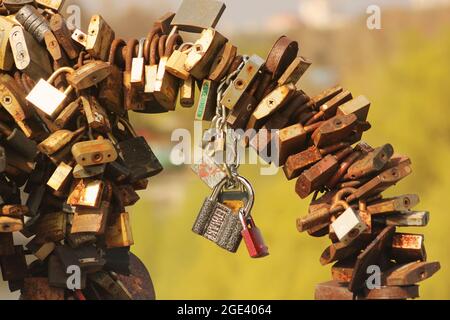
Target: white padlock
<point>46,97</point>
<point>349,225</point>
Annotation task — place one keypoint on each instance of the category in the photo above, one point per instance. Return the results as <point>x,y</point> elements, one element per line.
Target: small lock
<point>349,225</point>
<point>92,153</point>
<point>46,97</point>
<point>253,237</point>
<point>175,63</point>
<point>187,93</point>
<point>137,67</point>
<point>89,75</point>
<point>6,58</point>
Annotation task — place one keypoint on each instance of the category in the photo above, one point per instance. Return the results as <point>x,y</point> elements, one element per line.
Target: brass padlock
<point>89,75</point>
<point>80,37</point>
<point>87,193</point>
<point>187,93</point>
<point>92,153</point>
<point>15,5</point>
<point>60,177</point>
<point>99,38</point>
<point>6,54</point>
<point>29,56</point>
<point>46,97</point>
<point>176,61</point>
<point>201,57</point>
<point>93,220</point>
<point>58,140</point>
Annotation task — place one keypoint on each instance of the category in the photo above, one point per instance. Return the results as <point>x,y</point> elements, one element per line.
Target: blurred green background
<point>403,69</point>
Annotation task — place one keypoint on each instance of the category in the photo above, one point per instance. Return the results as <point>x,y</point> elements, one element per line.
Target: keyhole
<point>7,100</point>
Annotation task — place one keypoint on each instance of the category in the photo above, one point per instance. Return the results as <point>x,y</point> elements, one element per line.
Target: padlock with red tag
<point>251,233</point>
<point>253,238</point>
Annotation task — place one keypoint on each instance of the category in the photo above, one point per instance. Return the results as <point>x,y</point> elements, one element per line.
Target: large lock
<point>138,156</point>
<point>46,97</point>
<point>89,75</point>
<point>197,15</point>
<point>64,36</point>
<point>217,222</point>
<point>94,152</point>
<point>34,22</point>
<point>99,38</point>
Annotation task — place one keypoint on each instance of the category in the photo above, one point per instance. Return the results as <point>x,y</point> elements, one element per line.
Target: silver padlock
<point>349,225</point>
<point>46,97</point>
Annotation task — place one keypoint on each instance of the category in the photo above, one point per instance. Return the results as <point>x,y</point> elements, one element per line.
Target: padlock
<point>201,57</point>
<point>349,225</point>
<point>187,93</point>
<point>29,56</point>
<point>58,140</point>
<point>109,95</point>
<point>87,193</point>
<point>19,142</point>
<point>137,67</point>
<point>93,219</point>
<point>96,116</point>
<point>119,234</point>
<point>392,205</point>
<point>167,86</point>
<point>99,38</point>
<point>15,5</point>
<point>60,177</point>
<point>373,162</point>
<point>217,223</point>
<point>80,172</point>
<point>94,152</point>
<point>80,37</point>
<point>408,247</point>
<point>33,22</point>
<point>16,211</point>
<point>319,174</point>
<point>89,75</point>
<point>126,195</point>
<point>54,5</point>
<point>175,63</point>
<point>55,50</point>
<point>41,251</point>
<point>138,156</point>
<point>133,99</point>
<point>295,71</point>
<point>6,244</point>
<point>64,36</point>
<point>13,100</point>
<point>188,18</point>
<point>46,97</point>
<point>114,289</point>
<point>253,238</point>
<point>329,109</point>
<point>405,219</point>
<point>335,130</point>
<point>6,54</point>
<point>207,103</point>
<point>242,82</point>
<point>117,171</point>
<point>359,106</point>
<point>238,118</point>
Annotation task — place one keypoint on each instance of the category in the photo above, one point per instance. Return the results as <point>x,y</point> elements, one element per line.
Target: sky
<point>253,14</point>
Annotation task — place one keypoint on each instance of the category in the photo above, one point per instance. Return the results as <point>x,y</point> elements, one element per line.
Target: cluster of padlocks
<point>71,163</point>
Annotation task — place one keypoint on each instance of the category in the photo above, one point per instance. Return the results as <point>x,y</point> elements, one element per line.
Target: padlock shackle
<point>162,45</point>
<point>156,31</point>
<point>131,45</point>
<point>173,40</point>
<point>57,73</point>
<point>116,44</point>
<point>127,126</point>
<point>338,204</point>
<point>342,193</point>
<point>154,55</point>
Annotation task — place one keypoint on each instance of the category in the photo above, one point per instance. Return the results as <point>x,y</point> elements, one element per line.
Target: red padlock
<point>253,237</point>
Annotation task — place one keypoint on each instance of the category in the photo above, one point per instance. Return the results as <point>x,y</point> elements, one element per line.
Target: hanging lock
<point>46,97</point>
<point>175,63</point>
<point>89,75</point>
<point>137,67</point>
<point>94,152</point>
<point>349,225</point>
